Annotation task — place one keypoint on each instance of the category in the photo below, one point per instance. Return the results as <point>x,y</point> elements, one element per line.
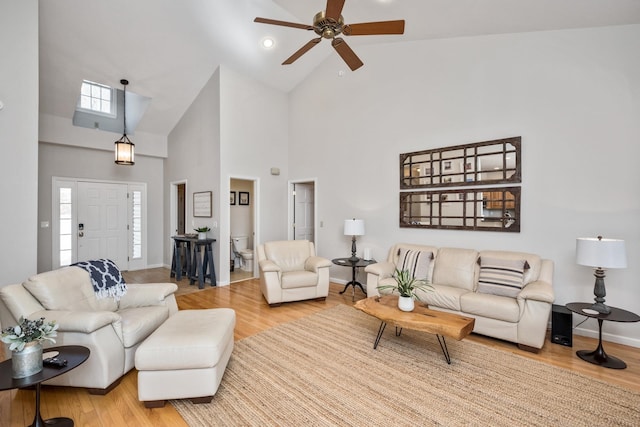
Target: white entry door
<point>304,211</point>
<point>102,222</point>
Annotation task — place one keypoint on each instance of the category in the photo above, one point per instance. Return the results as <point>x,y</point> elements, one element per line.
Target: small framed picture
<point>232,200</point>
<point>446,165</point>
<point>244,198</point>
<point>202,204</point>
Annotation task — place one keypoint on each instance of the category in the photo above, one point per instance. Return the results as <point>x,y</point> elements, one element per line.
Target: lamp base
<point>353,257</point>
<point>601,308</point>
<point>600,292</point>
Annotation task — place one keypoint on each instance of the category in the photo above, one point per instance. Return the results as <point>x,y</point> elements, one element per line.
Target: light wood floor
<point>121,406</point>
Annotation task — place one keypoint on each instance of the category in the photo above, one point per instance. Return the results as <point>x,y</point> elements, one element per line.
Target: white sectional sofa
<point>112,330</point>
<point>510,294</point>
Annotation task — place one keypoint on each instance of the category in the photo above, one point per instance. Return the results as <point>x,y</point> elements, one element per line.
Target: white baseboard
<point>632,342</point>
<point>157,266</point>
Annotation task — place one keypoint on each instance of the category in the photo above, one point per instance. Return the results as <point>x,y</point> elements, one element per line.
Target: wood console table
<point>199,259</point>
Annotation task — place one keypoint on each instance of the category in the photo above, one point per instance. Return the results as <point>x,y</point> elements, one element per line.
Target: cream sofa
<point>510,294</point>
<point>111,330</point>
<point>291,271</point>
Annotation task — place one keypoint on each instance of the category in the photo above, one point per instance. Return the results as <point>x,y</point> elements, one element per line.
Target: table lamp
<point>600,253</point>
<point>353,227</point>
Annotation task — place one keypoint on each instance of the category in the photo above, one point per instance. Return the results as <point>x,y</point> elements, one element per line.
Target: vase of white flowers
<point>25,342</point>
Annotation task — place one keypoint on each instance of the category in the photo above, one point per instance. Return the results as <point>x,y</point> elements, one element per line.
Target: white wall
<point>573,96</point>
<point>75,162</point>
<point>19,139</point>
<point>194,156</point>
<point>236,127</point>
<point>62,131</point>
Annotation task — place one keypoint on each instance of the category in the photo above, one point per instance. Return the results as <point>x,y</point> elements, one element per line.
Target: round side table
<point>75,355</point>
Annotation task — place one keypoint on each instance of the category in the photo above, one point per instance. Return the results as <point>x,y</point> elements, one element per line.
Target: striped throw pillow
<point>417,262</point>
<point>502,277</point>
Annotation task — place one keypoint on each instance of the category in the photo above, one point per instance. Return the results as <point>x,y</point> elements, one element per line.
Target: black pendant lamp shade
<point>124,148</point>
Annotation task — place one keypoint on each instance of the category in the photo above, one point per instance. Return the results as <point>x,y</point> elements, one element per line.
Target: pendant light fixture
<point>124,147</point>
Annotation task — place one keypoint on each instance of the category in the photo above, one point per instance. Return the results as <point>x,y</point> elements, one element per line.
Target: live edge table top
<point>421,318</point>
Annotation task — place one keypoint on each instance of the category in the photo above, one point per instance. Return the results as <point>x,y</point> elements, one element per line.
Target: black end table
<point>598,356</point>
<point>347,262</point>
<point>75,355</point>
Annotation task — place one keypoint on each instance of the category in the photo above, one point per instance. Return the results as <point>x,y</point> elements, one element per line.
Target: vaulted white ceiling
<point>168,49</point>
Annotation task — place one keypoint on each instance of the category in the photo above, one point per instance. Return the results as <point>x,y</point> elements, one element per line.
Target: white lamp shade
<point>354,227</point>
<point>602,253</point>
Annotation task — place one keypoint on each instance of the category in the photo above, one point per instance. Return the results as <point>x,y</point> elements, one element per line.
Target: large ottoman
<point>185,357</point>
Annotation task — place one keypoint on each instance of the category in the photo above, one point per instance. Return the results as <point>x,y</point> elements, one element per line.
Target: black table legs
<point>598,356</point>
<point>39,422</point>
<point>353,283</point>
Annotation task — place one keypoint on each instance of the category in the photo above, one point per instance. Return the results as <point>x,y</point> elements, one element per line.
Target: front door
<point>102,222</point>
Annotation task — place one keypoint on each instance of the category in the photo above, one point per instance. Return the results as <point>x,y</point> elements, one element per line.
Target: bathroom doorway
<point>242,229</point>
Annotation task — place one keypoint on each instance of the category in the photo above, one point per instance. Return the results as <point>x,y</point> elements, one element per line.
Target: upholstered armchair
<point>112,330</point>
<point>291,271</point>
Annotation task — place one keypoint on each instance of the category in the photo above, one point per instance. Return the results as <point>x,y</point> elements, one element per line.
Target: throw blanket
<point>106,278</point>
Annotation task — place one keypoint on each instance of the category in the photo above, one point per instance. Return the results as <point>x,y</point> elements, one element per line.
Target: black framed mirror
<point>482,209</point>
<point>480,163</point>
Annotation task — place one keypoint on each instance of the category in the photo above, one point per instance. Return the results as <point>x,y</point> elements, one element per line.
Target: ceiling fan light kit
<point>329,24</point>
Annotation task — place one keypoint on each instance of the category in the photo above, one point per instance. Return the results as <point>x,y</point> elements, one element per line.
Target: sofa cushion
<point>416,262</point>
<point>138,323</point>
<point>490,306</point>
<point>456,267</point>
<point>289,255</point>
<point>501,276</point>
<point>68,288</point>
<point>443,296</point>
<point>299,279</point>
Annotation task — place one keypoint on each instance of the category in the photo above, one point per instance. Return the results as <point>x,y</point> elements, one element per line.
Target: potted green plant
<point>25,342</point>
<point>202,232</point>
<point>406,286</point>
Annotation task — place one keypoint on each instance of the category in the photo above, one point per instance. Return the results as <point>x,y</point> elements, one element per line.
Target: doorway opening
<point>302,210</point>
<point>242,229</point>
<point>178,202</point>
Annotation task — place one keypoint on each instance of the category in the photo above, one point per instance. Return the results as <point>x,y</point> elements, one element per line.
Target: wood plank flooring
<point>121,406</point>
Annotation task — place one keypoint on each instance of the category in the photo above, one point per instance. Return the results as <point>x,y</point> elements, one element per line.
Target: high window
<point>97,98</point>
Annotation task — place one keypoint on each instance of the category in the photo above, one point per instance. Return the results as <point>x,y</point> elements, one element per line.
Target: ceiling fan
<point>329,23</point>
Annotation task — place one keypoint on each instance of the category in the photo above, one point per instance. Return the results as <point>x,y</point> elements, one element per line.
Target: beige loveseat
<point>112,330</point>
<point>508,293</point>
<point>291,271</point>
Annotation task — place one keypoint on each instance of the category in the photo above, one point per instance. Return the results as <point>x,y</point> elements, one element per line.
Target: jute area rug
<point>322,370</point>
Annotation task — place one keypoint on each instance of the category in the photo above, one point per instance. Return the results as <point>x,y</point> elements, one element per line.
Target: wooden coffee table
<point>421,318</point>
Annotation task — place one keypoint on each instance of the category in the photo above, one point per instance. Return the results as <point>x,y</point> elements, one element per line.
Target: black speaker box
<point>561,325</point>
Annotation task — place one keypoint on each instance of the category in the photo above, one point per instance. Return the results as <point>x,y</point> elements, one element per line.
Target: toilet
<point>240,244</point>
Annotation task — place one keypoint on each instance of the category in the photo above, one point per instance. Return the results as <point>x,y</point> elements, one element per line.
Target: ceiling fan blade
<point>374,28</point>
<point>347,54</point>
<point>334,9</point>
<point>283,23</point>
<point>304,49</point>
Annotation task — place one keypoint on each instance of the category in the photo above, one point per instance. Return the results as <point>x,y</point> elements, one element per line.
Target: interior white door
<point>304,211</point>
<point>102,222</point>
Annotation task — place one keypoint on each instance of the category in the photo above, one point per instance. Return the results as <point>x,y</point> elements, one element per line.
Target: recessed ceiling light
<point>268,43</point>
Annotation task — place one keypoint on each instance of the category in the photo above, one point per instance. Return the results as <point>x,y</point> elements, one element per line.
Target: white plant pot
<point>406,303</point>
<point>202,235</point>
